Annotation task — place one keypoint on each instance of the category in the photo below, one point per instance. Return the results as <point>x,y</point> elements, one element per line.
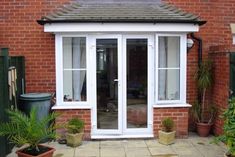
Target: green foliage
<point>168,124</point>
<point>204,75</point>
<point>22,129</point>
<point>228,136</point>
<point>75,125</point>
<point>204,79</point>
<point>197,113</point>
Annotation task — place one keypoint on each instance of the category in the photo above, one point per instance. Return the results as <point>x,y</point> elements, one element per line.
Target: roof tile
<point>120,12</point>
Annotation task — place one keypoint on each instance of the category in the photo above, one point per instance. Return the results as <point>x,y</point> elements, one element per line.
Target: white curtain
<point>169,79</point>
<point>162,82</point>
<point>79,62</point>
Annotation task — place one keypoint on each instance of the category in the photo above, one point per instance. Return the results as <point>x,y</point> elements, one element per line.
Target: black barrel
<point>40,101</point>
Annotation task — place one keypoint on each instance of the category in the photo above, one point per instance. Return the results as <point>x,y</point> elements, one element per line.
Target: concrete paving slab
<point>65,152</point>
<point>167,155</point>
<point>85,152</point>
<point>116,144</point>
<point>186,151</point>
<point>137,152</point>
<point>211,150</point>
<point>135,144</point>
<point>112,152</point>
<point>90,145</point>
<point>153,143</point>
<point>161,150</point>
<point>182,143</point>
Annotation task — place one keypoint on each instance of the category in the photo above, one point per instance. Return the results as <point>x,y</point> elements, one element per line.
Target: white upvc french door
<point>122,85</point>
<point>107,74</point>
<point>143,57</point>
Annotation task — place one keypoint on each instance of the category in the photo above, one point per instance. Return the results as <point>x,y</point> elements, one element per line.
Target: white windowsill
<point>171,105</point>
<point>63,107</point>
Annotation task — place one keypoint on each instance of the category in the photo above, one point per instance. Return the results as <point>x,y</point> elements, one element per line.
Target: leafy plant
<point>22,129</point>
<point>75,125</point>
<point>228,135</point>
<point>204,80</point>
<point>167,124</point>
<point>197,112</point>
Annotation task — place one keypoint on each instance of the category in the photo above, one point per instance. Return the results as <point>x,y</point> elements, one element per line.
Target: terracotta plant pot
<point>166,138</point>
<point>74,140</point>
<point>203,129</point>
<point>49,153</point>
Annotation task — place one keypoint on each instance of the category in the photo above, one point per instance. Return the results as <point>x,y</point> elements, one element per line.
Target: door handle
<point>115,80</point>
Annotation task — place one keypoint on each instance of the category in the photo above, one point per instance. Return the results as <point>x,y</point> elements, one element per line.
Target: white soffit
<point>120,27</point>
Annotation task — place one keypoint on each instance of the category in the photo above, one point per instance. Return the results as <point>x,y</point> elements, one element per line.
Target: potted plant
<point>228,136</point>
<point>75,128</point>
<point>167,135</point>
<point>203,115</point>
<point>28,130</point>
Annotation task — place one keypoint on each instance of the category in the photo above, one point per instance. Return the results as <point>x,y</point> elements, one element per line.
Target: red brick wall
<point>179,115</point>
<point>20,32</point>
<point>84,114</point>
<point>220,92</point>
<point>217,38</point>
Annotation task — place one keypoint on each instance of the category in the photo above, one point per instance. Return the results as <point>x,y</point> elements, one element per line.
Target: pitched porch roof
<point>131,12</point>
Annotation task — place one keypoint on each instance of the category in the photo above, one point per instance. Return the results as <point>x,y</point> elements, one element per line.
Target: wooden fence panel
<point>5,62</point>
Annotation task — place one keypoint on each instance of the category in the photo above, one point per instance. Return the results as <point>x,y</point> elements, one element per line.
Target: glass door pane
<point>107,85</point>
<point>137,80</point>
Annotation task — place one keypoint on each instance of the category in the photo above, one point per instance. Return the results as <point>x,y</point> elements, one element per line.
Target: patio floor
<point>194,146</point>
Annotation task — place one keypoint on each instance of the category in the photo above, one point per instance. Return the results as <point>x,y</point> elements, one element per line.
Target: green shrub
<point>204,79</point>
<point>168,124</point>
<point>228,136</point>
<point>75,125</point>
<point>22,129</point>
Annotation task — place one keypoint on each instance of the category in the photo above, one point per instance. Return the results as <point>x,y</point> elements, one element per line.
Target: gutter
<point>199,40</point>
<point>45,21</point>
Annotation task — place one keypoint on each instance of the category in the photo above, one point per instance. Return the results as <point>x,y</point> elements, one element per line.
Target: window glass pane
<point>168,84</point>
<point>74,52</point>
<point>107,87</point>
<point>137,83</point>
<point>74,69</point>
<point>169,52</point>
<point>74,85</point>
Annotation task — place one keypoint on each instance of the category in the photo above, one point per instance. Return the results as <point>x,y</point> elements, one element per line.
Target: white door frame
<point>95,130</point>
<point>150,63</point>
<point>122,131</point>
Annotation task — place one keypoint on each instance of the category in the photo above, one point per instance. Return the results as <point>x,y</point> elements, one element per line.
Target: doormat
<point>166,155</point>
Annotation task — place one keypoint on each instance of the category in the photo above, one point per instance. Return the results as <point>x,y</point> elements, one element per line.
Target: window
<point>170,72</point>
<point>74,69</point>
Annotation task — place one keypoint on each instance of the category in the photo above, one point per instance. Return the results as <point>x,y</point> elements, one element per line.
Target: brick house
<point>121,66</point>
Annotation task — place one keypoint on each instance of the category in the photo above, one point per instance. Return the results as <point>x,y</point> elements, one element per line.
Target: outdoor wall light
<point>190,43</point>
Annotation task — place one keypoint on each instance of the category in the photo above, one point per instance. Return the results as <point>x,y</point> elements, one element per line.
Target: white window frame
<point>183,69</point>
<point>60,103</point>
